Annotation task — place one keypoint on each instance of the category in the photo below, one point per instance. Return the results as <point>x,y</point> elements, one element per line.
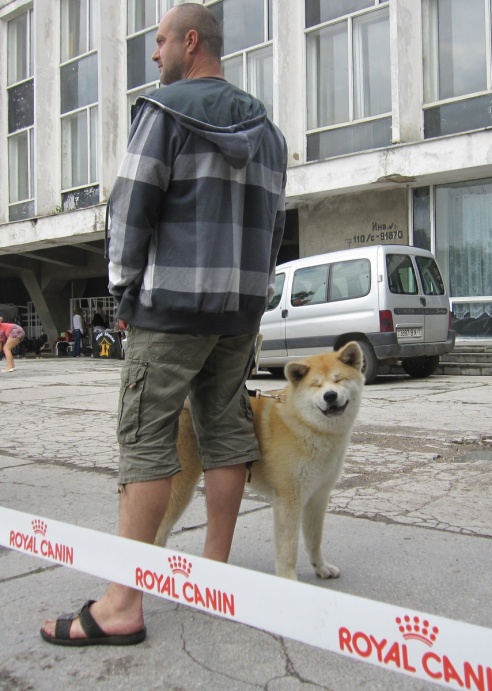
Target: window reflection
<point>464,241</point>
<point>349,75</point>
<point>455,53</point>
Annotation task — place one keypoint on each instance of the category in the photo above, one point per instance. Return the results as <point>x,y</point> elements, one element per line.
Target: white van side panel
<point>317,327</point>
<point>318,306</point>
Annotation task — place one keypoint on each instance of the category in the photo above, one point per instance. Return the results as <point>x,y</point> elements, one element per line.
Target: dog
<point>303,432</point>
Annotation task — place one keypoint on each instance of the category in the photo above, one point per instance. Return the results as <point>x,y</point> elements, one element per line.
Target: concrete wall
<point>344,221</point>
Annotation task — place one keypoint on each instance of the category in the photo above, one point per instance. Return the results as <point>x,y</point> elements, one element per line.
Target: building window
<point>348,75</point>
<point>456,41</point>
<point>142,73</point>
<point>145,13</point>
<point>253,71</point>
<point>248,52</point>
<point>79,103</point>
<point>421,213</point>
<point>20,97</point>
<point>79,28</point>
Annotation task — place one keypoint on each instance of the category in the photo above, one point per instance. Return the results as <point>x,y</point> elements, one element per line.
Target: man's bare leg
<point>119,611</point>
<point>224,490</point>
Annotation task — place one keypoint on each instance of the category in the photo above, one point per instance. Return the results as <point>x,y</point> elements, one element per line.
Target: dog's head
<point>325,390</point>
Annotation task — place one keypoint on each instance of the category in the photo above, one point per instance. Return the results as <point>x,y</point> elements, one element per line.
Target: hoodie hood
<point>220,112</point>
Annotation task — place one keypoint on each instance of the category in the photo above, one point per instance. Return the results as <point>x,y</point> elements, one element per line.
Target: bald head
<point>191,15</point>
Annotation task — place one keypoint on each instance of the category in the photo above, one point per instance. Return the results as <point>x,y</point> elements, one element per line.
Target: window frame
<point>28,131</point>
<point>430,61</point>
<point>311,80</point>
<point>91,111</point>
<point>245,57</point>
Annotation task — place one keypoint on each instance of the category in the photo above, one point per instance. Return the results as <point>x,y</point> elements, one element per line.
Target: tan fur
<point>302,453</point>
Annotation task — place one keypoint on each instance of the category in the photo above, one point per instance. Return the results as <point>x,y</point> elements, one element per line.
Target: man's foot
<point>93,625</point>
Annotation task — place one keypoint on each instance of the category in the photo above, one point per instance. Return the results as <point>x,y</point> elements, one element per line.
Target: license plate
<point>415,332</point>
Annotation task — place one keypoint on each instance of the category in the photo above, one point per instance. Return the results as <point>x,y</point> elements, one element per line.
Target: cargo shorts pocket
<point>130,405</point>
<point>246,409</point>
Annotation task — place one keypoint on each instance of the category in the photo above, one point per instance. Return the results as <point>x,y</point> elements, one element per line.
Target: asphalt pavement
<point>410,523</point>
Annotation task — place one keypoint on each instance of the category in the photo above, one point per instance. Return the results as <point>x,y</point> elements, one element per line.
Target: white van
<point>391,299</point>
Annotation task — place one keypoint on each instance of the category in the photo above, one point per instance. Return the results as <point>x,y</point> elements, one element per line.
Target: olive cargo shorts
<point>159,372</point>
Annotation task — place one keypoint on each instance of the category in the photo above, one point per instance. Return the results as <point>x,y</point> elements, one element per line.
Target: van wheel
<point>370,365</point>
<point>277,372</point>
<point>421,367</point>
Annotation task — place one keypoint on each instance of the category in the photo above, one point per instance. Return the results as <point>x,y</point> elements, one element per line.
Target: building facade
<point>386,106</point>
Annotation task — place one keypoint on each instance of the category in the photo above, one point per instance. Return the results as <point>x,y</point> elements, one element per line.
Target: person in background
<point>100,320</point>
<point>78,332</point>
<point>10,337</point>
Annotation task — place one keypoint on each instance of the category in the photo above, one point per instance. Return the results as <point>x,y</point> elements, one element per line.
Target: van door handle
<point>423,302</point>
<point>285,314</point>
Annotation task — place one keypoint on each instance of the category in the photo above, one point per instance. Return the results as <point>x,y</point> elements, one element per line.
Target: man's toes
<point>49,627</point>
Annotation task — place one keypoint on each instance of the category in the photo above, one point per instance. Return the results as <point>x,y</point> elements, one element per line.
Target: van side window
<point>430,276</point>
<point>401,276</point>
<point>279,286</point>
<point>309,286</point>
<point>351,279</point>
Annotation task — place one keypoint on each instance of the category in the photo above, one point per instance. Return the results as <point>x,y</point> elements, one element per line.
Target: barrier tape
<point>453,654</point>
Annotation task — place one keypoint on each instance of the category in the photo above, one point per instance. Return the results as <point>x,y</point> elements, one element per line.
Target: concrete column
<point>40,305</point>
<point>406,70</point>
<point>47,93</point>
<point>288,79</point>
<point>113,133</point>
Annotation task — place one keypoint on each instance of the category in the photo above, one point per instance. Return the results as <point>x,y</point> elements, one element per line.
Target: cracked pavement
<point>410,522</point>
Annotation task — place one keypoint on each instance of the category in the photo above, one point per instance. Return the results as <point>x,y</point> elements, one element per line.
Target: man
<point>197,216</point>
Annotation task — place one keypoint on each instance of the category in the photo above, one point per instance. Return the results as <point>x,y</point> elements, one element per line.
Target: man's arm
<point>278,231</point>
<point>136,199</point>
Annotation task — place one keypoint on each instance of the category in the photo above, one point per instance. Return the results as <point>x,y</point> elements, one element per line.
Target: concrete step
<point>470,369</point>
<point>466,359</point>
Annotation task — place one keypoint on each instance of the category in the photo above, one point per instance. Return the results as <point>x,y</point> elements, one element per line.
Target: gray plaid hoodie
<point>197,211</point>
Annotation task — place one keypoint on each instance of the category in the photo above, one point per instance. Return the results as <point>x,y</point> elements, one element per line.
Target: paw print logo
<point>180,565</point>
<point>39,527</point>
<point>412,628</point>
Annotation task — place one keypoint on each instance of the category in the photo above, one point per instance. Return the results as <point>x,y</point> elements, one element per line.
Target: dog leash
<point>258,393</point>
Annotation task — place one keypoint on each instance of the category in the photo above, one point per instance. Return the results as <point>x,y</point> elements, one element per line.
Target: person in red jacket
<point>10,337</point>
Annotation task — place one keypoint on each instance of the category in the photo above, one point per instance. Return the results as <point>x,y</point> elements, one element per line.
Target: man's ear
<point>295,371</point>
<point>192,40</point>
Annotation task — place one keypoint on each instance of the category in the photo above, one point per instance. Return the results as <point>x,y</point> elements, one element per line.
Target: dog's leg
<point>287,523</point>
<point>312,526</point>
<point>184,482</point>
<point>182,491</point>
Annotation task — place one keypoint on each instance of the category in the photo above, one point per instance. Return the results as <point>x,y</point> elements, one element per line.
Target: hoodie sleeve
<point>278,231</point>
<point>137,195</point>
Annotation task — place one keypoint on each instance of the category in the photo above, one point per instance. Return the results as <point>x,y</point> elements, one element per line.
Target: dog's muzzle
<point>333,407</point>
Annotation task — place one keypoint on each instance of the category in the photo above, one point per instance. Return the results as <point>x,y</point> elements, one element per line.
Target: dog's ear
<point>351,355</point>
<point>295,371</point>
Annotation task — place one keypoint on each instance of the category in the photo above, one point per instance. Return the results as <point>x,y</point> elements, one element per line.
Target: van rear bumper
<point>386,346</point>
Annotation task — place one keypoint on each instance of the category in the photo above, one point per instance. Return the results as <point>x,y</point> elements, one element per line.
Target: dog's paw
<point>325,570</point>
